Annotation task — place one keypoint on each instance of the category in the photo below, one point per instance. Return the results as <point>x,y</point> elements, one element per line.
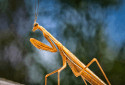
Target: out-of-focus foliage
<point>104,4</point>
<point>118,69</point>
<point>14,46</point>
<point>80,27</point>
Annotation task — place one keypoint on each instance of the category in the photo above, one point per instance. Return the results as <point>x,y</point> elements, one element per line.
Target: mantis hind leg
<point>95,60</point>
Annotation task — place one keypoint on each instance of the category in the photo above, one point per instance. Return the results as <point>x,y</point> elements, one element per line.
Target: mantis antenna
<point>36,10</point>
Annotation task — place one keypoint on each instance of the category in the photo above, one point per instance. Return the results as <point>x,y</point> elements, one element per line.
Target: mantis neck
<point>47,33</point>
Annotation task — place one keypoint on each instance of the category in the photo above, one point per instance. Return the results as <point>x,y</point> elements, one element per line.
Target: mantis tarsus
<point>77,67</point>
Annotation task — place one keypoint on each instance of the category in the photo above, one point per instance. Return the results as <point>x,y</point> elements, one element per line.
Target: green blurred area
<point>81,28</point>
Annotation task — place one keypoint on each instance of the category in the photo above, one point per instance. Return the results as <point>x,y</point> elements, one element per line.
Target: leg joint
<point>46,75</point>
<point>94,59</point>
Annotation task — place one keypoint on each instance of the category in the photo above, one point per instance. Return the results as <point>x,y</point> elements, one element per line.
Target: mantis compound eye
<point>36,24</point>
<point>35,27</point>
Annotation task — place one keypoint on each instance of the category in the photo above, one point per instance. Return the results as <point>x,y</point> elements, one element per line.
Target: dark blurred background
<point>88,28</point>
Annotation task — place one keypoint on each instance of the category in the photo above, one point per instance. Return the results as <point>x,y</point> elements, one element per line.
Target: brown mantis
<point>77,67</point>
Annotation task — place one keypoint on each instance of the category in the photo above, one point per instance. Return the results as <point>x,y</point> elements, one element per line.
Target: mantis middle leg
<point>58,70</point>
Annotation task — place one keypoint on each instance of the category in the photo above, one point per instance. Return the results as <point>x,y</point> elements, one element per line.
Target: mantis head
<point>35,27</point>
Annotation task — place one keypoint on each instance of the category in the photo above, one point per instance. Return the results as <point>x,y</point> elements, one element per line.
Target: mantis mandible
<point>77,67</point>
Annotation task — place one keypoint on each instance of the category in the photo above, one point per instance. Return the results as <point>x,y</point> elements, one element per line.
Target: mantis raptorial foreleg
<point>43,46</point>
<point>52,44</point>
